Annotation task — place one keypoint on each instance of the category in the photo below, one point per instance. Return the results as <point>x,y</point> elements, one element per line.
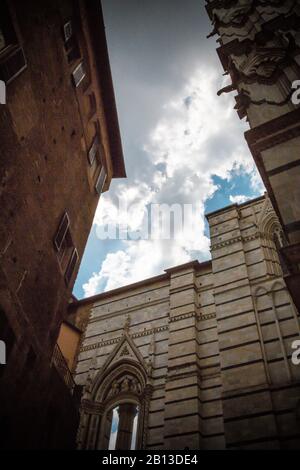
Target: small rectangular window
<point>101,181</point>
<point>67,254</point>
<point>71,43</point>
<point>68,31</point>
<point>12,58</point>
<point>7,32</point>
<point>78,75</point>
<point>71,266</point>
<point>61,232</point>
<point>65,251</point>
<point>12,65</point>
<point>7,336</point>
<point>94,149</point>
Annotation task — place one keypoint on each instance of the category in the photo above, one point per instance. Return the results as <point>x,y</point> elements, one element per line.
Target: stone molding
<point>109,342</point>
<point>116,340</point>
<point>231,241</point>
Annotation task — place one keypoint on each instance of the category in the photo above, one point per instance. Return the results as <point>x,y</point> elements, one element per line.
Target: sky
<point>182,143</point>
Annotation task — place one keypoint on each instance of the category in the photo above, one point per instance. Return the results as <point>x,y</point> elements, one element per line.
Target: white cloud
<point>239,199</point>
<point>198,136</point>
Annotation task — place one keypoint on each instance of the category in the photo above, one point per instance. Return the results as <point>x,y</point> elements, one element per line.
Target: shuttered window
<point>7,33</point>
<point>67,254</point>
<point>78,75</point>
<point>71,43</point>
<point>7,336</point>
<point>12,58</point>
<point>101,181</point>
<point>71,266</point>
<point>68,31</point>
<point>62,231</point>
<point>12,65</point>
<point>94,149</point>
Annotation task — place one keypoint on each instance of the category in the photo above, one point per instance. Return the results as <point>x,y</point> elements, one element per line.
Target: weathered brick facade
<point>60,142</point>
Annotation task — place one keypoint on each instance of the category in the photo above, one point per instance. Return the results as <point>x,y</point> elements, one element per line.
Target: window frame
<point>12,55</point>
<point>66,252</point>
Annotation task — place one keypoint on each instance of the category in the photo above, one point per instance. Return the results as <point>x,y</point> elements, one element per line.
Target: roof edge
<point>236,205</point>
<point>97,30</point>
<point>161,277</point>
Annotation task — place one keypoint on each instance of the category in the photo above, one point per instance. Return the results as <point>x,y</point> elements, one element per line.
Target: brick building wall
<point>59,135</point>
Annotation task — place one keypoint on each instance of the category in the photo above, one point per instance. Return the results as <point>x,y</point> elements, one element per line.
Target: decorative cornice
<point>182,316</point>
<point>140,334</point>
<point>100,344</point>
<point>149,332</point>
<point>231,241</point>
<point>208,316</point>
<point>198,316</point>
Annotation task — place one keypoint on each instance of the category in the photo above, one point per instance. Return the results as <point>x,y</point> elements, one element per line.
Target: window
<point>78,75</point>
<point>7,336</point>
<point>66,252</point>
<point>68,31</point>
<point>92,104</point>
<point>94,150</point>
<point>96,161</point>
<point>7,32</point>
<point>12,59</point>
<point>62,231</point>
<point>101,181</point>
<point>71,266</point>
<point>71,43</point>
<point>123,428</point>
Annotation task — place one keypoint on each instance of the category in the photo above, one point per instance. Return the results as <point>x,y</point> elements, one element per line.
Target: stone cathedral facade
<point>259,49</point>
<point>199,357</point>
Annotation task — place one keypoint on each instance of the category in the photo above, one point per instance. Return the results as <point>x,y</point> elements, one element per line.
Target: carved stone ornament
<point>125,375</point>
<point>235,15</point>
<point>261,62</point>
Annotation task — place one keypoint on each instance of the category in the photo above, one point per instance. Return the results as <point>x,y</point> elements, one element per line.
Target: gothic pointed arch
<point>122,385</point>
<point>268,221</point>
<point>272,237</point>
<point>124,371</point>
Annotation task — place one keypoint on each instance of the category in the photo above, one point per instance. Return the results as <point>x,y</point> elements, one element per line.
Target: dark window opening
<point>71,266</point>
<point>66,252</point>
<point>12,58</point>
<point>68,31</point>
<point>94,150</point>
<point>7,33</point>
<point>62,230</point>
<point>93,104</point>
<point>71,43</point>
<point>101,181</point>
<point>7,336</point>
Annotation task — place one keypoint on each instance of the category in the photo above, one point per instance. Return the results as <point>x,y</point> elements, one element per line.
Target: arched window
<point>123,423</point>
<point>114,411</point>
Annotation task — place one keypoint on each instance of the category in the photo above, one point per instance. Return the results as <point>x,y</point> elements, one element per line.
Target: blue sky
<point>182,143</point>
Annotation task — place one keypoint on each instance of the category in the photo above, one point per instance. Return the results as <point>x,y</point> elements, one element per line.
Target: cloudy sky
<point>182,144</point>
